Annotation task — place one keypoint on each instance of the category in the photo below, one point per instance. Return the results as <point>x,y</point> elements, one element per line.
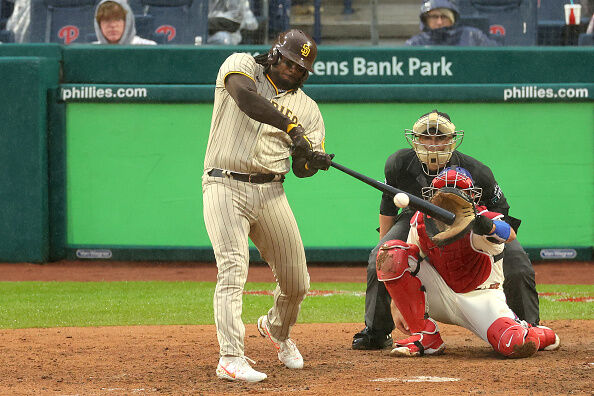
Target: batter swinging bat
<point>415,202</point>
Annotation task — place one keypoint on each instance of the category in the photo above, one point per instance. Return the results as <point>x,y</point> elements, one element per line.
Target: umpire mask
<point>434,138</point>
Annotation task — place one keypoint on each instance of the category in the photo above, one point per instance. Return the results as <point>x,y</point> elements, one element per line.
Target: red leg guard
<point>512,339</point>
<point>405,289</point>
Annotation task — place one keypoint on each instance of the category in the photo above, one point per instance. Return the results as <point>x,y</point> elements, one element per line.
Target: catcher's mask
<point>297,46</point>
<point>455,177</point>
<point>434,138</point>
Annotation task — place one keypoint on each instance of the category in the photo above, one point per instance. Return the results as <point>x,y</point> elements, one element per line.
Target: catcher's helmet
<point>434,156</point>
<point>296,46</point>
<point>454,177</point>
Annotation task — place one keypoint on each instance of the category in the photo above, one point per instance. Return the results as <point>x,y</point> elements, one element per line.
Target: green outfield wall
<point>121,134</point>
<point>134,170</point>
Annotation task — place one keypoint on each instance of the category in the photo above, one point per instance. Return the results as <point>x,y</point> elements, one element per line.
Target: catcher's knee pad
<point>512,339</point>
<point>406,290</point>
<point>392,259</point>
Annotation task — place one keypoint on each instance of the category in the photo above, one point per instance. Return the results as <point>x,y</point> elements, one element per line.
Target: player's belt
<point>257,178</point>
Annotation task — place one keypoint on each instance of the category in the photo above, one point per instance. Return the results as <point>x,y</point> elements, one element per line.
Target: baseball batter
<point>263,125</point>
<point>455,277</point>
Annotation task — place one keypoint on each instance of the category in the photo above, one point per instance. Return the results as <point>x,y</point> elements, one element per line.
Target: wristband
<point>502,231</point>
<point>290,127</point>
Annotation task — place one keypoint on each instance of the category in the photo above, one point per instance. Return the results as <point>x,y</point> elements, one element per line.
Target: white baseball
<point>401,200</point>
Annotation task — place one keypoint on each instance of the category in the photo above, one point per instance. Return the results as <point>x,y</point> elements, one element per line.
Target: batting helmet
<point>455,177</point>
<point>434,138</point>
<point>296,46</point>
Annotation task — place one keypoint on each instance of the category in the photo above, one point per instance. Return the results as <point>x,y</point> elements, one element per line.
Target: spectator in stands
<point>225,20</point>
<point>114,24</point>
<point>439,26</point>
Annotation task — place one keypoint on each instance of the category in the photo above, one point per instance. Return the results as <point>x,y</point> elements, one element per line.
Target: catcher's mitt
<point>458,203</point>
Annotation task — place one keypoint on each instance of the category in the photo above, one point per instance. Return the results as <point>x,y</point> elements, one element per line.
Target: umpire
<point>434,141</point>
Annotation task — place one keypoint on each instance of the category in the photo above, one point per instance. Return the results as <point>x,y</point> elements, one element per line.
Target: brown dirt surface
<point>181,360</point>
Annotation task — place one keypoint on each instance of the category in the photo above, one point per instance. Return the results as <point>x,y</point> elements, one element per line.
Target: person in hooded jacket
<point>440,26</point>
<point>114,24</point>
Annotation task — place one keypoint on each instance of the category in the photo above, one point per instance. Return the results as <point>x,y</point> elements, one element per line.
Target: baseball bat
<point>416,203</point>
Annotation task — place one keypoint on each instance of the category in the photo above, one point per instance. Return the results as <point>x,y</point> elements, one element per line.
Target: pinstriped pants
<point>234,211</point>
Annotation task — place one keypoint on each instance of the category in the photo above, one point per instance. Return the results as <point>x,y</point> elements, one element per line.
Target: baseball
<point>401,200</point>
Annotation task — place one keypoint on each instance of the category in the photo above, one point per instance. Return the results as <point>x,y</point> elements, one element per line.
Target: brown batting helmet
<point>296,46</point>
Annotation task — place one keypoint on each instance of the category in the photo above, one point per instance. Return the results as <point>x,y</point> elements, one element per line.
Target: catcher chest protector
<point>406,290</point>
<point>460,266</point>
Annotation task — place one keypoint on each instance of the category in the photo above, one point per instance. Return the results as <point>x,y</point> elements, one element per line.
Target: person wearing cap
<point>263,126</point>
<point>440,25</point>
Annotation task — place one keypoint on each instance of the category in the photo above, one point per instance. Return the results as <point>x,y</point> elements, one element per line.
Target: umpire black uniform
<point>403,170</point>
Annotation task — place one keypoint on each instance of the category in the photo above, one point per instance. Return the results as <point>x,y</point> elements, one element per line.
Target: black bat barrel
<point>415,202</point>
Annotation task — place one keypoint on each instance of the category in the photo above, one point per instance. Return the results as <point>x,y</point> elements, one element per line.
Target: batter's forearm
<point>243,91</point>
<point>258,108</point>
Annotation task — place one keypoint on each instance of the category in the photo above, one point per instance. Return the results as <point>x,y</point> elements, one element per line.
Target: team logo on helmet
<point>453,177</point>
<point>305,50</point>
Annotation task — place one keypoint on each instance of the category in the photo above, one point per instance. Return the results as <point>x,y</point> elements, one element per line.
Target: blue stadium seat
<point>6,36</point>
<point>179,21</point>
<point>61,21</point>
<point>586,39</point>
<point>136,6</point>
<point>515,20</point>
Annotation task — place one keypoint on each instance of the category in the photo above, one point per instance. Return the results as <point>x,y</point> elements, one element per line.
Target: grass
<point>64,304</point>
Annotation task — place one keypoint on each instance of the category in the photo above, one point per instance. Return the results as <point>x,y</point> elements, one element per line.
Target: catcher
<point>453,274</point>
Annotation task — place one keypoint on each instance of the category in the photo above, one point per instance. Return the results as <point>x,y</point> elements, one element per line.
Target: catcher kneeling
<point>453,274</point>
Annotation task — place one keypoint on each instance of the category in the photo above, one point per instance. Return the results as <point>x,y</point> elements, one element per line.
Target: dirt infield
<point>180,360</point>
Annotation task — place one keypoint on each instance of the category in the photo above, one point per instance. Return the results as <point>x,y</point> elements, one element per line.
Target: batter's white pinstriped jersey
<point>241,144</point>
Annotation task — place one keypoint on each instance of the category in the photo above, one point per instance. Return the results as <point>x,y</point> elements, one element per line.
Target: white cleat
<point>288,353</point>
<point>236,368</point>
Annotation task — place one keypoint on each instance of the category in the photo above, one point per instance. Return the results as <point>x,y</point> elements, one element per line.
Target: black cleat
<point>367,339</point>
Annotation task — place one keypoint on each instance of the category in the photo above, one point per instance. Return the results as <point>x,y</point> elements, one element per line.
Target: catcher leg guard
<point>406,290</point>
<point>549,340</point>
<point>425,342</point>
<point>512,339</point>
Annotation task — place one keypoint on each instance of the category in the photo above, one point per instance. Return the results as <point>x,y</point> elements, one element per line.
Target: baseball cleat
<point>367,339</point>
<point>549,340</point>
<point>236,368</point>
<point>288,353</point>
<point>426,342</point>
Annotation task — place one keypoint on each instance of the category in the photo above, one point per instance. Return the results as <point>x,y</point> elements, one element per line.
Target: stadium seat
<point>586,39</point>
<point>61,21</point>
<point>136,6</point>
<point>6,36</point>
<point>515,20</point>
<point>179,21</point>
<point>551,22</point>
